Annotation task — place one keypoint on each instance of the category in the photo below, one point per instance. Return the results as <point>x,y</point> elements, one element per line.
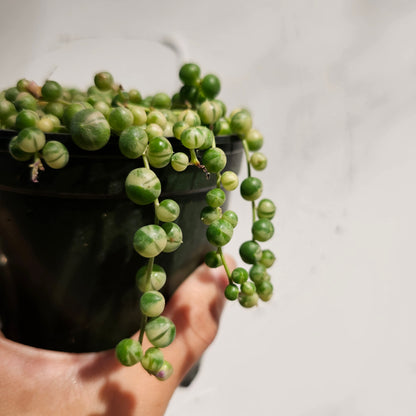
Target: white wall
<point>331,84</point>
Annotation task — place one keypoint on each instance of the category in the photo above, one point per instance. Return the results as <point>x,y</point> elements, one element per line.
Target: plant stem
<point>194,158</point>
<point>224,263</point>
<point>155,205</point>
<point>253,208</point>
<point>150,263</point>
<point>247,153</point>
<point>145,161</point>
<point>214,143</point>
<point>218,180</point>
<point>65,102</point>
<point>143,320</point>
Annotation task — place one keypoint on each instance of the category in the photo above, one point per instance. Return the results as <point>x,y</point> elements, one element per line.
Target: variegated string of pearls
<point>194,116</point>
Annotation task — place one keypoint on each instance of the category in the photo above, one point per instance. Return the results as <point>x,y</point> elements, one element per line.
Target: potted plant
<point>104,197</point>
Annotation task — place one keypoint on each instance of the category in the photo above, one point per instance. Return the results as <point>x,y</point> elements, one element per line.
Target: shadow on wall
<point>17,41</point>
<point>147,65</point>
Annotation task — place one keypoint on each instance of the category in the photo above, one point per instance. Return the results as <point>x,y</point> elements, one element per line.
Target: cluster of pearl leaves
<point>145,126</point>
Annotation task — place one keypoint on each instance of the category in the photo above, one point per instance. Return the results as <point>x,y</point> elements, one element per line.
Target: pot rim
<point>55,184</point>
<point>111,149</point>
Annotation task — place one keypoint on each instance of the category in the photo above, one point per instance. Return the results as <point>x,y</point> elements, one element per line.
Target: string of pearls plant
<point>146,127</point>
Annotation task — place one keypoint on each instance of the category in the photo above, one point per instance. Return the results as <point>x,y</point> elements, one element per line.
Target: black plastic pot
<point>67,264</point>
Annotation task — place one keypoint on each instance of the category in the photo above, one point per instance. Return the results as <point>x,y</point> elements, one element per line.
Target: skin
<point>41,382</point>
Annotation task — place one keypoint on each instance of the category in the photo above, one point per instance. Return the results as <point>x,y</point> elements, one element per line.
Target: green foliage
<point>149,129</point>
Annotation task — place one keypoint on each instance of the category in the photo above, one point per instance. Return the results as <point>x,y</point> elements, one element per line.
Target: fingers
<point>88,379</point>
<point>195,308</point>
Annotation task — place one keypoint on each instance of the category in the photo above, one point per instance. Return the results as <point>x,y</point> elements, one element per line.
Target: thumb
<point>195,308</point>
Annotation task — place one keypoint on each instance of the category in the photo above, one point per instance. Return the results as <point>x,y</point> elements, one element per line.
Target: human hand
<point>42,382</point>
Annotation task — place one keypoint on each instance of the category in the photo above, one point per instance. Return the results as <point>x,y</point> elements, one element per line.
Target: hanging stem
<point>143,320</point>
<point>224,263</point>
<point>247,154</point>
<point>150,263</point>
<point>254,213</point>
<point>145,161</point>
<point>218,180</point>
<point>194,158</point>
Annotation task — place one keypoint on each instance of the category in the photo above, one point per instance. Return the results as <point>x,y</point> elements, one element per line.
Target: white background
<point>331,84</point>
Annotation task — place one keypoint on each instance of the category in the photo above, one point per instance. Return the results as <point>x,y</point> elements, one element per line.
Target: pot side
<point>67,263</point>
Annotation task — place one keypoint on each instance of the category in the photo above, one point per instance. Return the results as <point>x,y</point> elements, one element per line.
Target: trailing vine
<point>146,127</point>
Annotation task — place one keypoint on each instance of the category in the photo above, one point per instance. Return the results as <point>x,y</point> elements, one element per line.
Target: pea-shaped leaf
<point>159,152</point>
<point>192,138</point>
<point>142,186</point>
<point>55,154</point>
<point>132,142</point>
<point>156,281</point>
<point>152,303</point>
<point>160,331</point>
<point>150,240</point>
<point>214,160</point>
<point>165,371</point>
<point>129,352</point>
<point>168,210</point>
<point>266,209</point>
<point>31,139</point>
<point>90,129</point>
<point>219,233</point>
<point>251,188</point>
<point>153,360</point>
<point>250,252</point>
<point>262,229</point>
<point>16,152</point>
<point>241,122</point>
<point>173,235</point>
